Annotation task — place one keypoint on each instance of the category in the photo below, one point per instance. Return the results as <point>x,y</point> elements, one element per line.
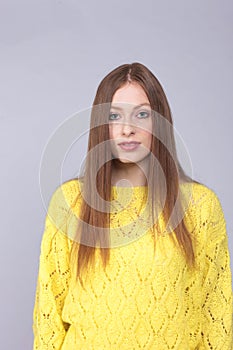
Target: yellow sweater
<point>141,301</point>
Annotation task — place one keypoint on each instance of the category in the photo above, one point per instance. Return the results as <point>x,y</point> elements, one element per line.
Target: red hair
<point>94,213</point>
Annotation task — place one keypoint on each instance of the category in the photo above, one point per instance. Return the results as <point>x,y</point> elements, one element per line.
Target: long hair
<point>96,182</point>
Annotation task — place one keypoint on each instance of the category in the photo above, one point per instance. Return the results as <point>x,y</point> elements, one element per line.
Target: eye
<point>143,114</point>
<point>114,116</point>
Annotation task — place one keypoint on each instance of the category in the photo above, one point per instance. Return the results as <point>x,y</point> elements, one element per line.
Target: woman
<point>134,253</point>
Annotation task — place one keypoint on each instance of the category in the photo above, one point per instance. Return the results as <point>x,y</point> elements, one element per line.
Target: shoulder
<point>66,193</point>
<point>64,202</point>
<point>200,196</point>
<point>204,210</point>
<point>68,190</point>
<point>61,220</point>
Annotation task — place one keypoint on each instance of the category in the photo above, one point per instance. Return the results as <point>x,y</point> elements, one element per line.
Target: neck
<point>129,174</point>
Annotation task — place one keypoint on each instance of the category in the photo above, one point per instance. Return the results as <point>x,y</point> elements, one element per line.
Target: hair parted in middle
<point>94,213</point>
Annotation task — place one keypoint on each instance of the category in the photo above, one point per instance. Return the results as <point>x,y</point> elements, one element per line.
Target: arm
<point>52,287</point>
<point>217,290</point>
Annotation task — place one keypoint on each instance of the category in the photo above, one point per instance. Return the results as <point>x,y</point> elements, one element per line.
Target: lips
<point>129,146</point>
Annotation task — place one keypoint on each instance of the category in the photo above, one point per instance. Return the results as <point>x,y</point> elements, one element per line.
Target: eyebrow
<point>136,107</point>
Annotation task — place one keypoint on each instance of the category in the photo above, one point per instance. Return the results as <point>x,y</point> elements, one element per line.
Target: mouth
<point>129,146</point>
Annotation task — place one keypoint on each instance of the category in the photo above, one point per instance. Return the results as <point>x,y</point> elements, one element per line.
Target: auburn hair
<point>92,231</point>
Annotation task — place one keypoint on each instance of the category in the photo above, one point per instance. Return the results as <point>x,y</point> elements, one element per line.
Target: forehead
<point>130,93</point>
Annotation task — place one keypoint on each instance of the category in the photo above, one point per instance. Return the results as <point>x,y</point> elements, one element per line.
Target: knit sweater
<point>144,299</point>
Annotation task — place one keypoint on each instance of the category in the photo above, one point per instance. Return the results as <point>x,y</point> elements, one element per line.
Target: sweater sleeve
<point>52,285</point>
<point>217,289</point>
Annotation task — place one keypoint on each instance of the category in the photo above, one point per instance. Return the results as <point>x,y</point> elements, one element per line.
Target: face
<point>130,124</point>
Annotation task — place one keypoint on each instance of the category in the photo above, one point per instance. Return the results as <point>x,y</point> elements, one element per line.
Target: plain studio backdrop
<point>53,56</point>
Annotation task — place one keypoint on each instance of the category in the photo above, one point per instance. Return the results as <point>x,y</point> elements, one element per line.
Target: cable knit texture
<point>142,300</point>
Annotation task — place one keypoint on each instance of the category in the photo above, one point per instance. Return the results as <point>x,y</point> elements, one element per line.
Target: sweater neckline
<point>131,193</point>
<point>129,187</point>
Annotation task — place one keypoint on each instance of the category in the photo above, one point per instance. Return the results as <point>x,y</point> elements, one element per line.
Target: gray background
<point>53,56</point>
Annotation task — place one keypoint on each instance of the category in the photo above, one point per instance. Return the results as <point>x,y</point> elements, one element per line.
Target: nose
<point>128,129</point>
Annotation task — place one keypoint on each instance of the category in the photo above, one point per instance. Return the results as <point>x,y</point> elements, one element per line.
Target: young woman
<point>134,253</point>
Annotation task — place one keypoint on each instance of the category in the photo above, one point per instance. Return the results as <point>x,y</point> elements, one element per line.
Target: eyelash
<point>138,115</point>
<point>144,112</point>
<point>113,114</point>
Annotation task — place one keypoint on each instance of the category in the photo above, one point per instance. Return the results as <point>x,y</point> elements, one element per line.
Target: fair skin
<point>130,129</point>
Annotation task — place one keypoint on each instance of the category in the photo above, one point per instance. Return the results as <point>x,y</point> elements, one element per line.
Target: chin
<point>132,160</point>
<point>128,161</point>
<point>124,161</point>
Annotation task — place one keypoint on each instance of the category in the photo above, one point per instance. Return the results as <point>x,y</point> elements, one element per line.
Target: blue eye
<point>143,115</point>
<point>113,116</point>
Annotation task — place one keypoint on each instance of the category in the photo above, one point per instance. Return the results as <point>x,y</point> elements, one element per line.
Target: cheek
<point>147,137</point>
<point>146,133</point>
<point>110,131</point>
<point>113,131</point>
